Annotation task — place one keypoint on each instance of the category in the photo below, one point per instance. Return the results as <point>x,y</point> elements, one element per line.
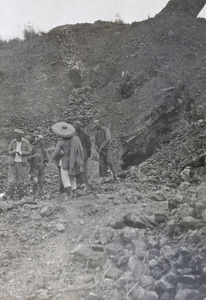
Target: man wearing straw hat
<point>69,155</point>
<point>19,149</point>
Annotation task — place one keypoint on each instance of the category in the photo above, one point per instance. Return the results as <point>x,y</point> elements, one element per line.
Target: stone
<point>129,235</point>
<point>203,272</point>
<point>184,186</point>
<point>113,273</point>
<point>153,254</point>
<point>152,244</point>
<point>168,252</point>
<point>188,223</point>
<point>201,192</point>
<point>134,220</point>
<point>115,295</point>
<point>138,267</point>
<point>97,247</point>
<point>92,258</point>
<point>150,295</point>
<point>188,279</point>
<point>47,210</point>
<point>43,294</point>
<point>60,227</point>
<point>179,263</point>
<point>184,271</point>
<point>156,272</point>
<point>203,215</point>
<point>141,294</point>
<point>141,254</point>
<point>163,286</point>
<point>184,250</point>
<point>199,207</point>
<point>106,236</point>
<point>188,294</point>
<point>172,278</point>
<point>138,293</point>
<point>155,263</point>
<point>202,289</point>
<point>134,264</point>
<point>2,208</point>
<point>122,257</point>
<point>118,222</point>
<point>81,222</point>
<point>112,249</point>
<point>166,296</point>
<point>158,197</point>
<point>126,281</point>
<point>146,281</point>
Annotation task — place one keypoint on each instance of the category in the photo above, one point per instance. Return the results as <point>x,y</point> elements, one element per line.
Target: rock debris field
<point>141,237</point>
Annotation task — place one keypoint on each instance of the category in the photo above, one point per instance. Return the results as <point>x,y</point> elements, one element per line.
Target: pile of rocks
<point>154,256</point>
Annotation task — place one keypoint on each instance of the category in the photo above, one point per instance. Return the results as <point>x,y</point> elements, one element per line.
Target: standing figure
<point>38,160</point>
<point>102,140</point>
<point>19,149</point>
<point>69,154</point>
<point>61,187</point>
<point>86,145</point>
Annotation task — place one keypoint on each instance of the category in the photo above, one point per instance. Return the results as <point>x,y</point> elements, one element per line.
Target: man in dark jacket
<point>102,140</point>
<point>19,150</point>
<point>69,155</point>
<point>38,160</point>
<point>86,145</point>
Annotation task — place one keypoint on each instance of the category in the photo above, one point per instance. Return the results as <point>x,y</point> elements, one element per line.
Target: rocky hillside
<point>144,80</point>
<point>143,236</point>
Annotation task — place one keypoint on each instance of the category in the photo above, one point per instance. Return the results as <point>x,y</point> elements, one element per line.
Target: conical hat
<point>63,129</point>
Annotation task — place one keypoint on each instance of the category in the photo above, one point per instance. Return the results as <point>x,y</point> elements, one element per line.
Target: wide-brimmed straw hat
<point>19,131</point>
<point>63,129</point>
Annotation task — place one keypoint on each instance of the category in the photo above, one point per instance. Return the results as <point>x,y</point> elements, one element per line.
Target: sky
<point>43,15</point>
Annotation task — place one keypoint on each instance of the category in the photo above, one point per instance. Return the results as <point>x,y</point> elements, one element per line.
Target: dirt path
<point>38,260</point>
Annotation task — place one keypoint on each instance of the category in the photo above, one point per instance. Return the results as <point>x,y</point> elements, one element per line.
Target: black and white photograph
<point>103,150</point>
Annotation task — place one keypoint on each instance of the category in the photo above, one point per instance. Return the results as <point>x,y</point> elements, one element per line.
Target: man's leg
<point>83,175</point>
<point>20,173</point>
<point>35,186</point>
<point>73,182</point>
<point>11,182</point>
<point>41,190</point>
<point>34,174</point>
<point>61,186</point>
<point>109,159</point>
<point>66,182</point>
<point>41,182</point>
<point>103,165</point>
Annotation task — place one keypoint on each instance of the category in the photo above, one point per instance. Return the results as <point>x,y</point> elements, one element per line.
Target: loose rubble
<point>138,238</point>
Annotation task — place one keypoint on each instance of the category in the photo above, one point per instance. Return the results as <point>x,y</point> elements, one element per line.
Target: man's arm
<point>57,152</point>
<point>107,139</point>
<point>11,149</point>
<point>27,150</point>
<point>88,144</point>
<point>95,143</point>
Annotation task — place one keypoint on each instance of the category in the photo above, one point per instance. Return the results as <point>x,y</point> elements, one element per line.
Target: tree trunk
<point>187,7</point>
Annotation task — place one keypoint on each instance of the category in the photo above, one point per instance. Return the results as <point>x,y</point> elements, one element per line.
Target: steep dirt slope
<point>143,79</point>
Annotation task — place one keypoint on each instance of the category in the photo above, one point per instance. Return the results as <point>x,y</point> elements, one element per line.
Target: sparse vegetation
<point>118,19</point>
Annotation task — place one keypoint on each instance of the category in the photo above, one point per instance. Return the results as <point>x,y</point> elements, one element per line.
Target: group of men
<point>71,155</point>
